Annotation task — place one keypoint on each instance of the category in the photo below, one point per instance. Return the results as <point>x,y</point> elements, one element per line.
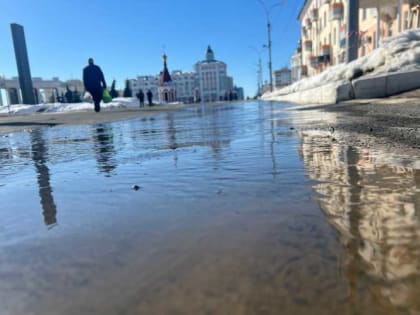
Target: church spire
<point>165,76</point>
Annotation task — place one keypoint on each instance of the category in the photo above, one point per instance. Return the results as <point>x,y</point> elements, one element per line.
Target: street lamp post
<point>259,71</point>
<point>267,13</point>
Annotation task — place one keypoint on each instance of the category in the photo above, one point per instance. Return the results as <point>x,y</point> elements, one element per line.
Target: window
<point>389,33</point>
<point>374,40</point>
<point>406,20</point>
<point>364,11</point>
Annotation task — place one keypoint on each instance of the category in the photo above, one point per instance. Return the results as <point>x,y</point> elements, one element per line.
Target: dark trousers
<point>97,98</point>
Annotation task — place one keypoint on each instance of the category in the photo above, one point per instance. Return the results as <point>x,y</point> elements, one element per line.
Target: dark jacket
<point>140,96</point>
<point>93,77</point>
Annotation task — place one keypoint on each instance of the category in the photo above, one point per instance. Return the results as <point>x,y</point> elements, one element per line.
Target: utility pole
<point>260,78</point>
<point>259,71</point>
<point>352,30</point>
<point>267,13</point>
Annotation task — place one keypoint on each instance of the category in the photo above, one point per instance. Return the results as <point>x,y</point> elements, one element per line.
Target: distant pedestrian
<point>94,81</point>
<point>68,95</point>
<point>150,97</point>
<point>140,96</point>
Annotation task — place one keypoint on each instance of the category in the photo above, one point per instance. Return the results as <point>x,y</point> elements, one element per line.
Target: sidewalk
<point>10,123</point>
<point>392,121</point>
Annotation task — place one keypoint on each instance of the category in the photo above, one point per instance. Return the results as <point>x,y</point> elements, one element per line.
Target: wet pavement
<point>231,209</point>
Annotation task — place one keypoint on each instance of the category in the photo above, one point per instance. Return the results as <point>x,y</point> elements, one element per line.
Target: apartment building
<point>282,77</point>
<point>324,29</point>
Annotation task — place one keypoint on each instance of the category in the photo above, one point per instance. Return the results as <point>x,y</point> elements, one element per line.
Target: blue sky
<point>128,38</point>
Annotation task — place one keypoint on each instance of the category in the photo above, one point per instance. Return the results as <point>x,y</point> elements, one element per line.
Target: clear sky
<point>127,38</point>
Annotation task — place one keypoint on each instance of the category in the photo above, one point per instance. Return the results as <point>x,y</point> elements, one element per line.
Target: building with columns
<point>325,30</point>
<point>214,82</point>
<point>208,83</point>
<point>45,91</point>
<point>185,84</point>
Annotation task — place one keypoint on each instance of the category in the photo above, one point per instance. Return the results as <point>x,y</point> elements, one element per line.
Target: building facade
<point>145,83</point>
<point>214,84</point>
<point>296,65</point>
<point>324,29</point>
<point>185,83</point>
<point>282,77</point>
<point>187,88</point>
<point>208,82</point>
<point>45,91</point>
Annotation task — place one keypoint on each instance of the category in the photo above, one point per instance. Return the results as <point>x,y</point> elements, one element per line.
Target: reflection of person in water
<point>104,148</point>
<point>39,156</point>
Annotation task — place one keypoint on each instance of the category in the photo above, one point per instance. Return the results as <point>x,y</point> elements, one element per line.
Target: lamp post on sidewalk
<point>259,71</point>
<point>267,13</point>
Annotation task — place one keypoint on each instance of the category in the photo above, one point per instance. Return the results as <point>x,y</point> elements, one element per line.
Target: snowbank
<point>117,103</point>
<point>400,53</point>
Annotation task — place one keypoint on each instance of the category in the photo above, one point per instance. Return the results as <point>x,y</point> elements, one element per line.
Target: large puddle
<point>236,212</point>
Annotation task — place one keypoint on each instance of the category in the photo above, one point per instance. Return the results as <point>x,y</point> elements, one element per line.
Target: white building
<point>145,83</point>
<point>45,90</point>
<point>213,80</point>
<point>282,77</point>
<point>187,86</point>
<point>208,83</point>
<point>296,66</point>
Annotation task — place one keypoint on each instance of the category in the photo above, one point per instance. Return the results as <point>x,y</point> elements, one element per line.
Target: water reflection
<point>104,149</point>
<point>40,157</point>
<point>375,209</point>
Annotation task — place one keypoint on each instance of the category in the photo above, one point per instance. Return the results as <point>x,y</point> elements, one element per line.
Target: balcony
<point>325,50</point>
<point>336,11</point>
<point>313,61</point>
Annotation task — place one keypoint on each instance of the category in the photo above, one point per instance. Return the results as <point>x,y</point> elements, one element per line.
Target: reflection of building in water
<point>39,156</point>
<point>171,131</point>
<point>376,210</point>
<point>104,149</point>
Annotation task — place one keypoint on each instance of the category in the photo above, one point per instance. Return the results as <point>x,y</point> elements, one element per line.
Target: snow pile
<point>117,103</point>
<point>398,53</point>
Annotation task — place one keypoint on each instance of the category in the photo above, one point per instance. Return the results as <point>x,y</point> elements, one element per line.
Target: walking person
<point>94,81</point>
<point>149,97</point>
<point>140,96</point>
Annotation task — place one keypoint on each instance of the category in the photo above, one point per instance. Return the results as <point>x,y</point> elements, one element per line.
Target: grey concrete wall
<point>402,82</point>
<point>386,85</point>
<point>324,94</point>
<point>363,88</point>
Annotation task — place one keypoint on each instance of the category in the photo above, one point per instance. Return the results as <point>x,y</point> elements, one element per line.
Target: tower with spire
<point>166,89</point>
<point>209,54</point>
<point>214,83</point>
